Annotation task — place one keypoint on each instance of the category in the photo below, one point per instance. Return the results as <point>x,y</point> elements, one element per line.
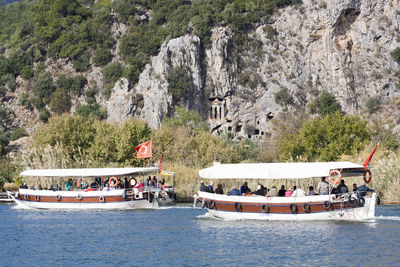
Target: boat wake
<point>389,218</point>
<point>176,207</point>
<point>19,207</point>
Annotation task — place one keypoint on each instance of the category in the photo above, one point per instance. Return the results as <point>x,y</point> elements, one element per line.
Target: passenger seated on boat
<point>40,187</point>
<point>323,187</point>
<point>311,191</point>
<point>298,192</point>
<point>354,188</point>
<point>68,185</point>
<point>219,190</point>
<point>32,187</point>
<point>23,186</point>
<point>106,187</point>
<point>244,189</point>
<point>140,186</point>
<point>342,188</point>
<point>273,192</point>
<point>153,182</point>
<point>204,188</point>
<point>282,191</point>
<point>234,192</point>
<point>210,186</point>
<point>289,192</point>
<point>363,189</point>
<point>260,191</point>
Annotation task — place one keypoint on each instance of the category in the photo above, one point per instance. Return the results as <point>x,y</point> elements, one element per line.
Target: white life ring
<point>137,196</point>
<point>37,197</point>
<point>101,199</point>
<point>79,197</point>
<point>58,197</point>
<point>133,181</point>
<point>26,197</point>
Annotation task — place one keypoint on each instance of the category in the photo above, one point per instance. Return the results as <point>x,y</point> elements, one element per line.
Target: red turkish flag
<point>369,158</point>
<point>143,150</point>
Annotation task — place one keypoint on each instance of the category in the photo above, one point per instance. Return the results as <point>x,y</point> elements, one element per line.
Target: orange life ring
<point>365,176</point>
<point>332,179</point>
<point>115,182</point>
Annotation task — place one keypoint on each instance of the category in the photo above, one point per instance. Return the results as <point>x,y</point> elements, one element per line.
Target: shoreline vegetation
<point>185,145</point>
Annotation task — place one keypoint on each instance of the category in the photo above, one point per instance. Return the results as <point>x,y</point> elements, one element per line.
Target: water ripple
<point>184,236</point>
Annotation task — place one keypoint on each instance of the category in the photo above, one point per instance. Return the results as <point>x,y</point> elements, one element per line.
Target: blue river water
<point>183,236</point>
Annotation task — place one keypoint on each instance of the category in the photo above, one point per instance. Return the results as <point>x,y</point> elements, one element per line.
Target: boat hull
<point>80,200</point>
<point>323,207</point>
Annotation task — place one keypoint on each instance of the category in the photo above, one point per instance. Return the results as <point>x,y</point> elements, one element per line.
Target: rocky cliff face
<point>341,46</point>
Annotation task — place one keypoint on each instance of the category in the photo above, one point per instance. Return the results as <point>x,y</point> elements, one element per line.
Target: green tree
<point>44,87</point>
<point>102,57</point>
<point>8,171</point>
<point>326,139</point>
<point>130,134</point>
<point>92,111</point>
<point>112,72</point>
<point>373,104</point>
<point>179,84</point>
<point>60,101</point>
<point>396,54</point>
<point>74,134</point>
<point>283,97</point>
<point>325,104</point>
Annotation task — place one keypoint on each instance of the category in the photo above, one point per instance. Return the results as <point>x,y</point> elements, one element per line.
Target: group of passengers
<point>322,189</point>
<point>51,187</point>
<point>101,184</point>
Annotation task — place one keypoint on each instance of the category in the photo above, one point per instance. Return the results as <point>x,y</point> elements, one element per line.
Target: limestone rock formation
<point>340,46</point>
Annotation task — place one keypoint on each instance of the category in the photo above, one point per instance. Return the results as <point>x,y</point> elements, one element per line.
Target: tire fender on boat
<point>361,201</point>
<point>327,205</point>
<point>369,176</point>
<point>211,205</point>
<point>58,197</point>
<point>352,202</point>
<point>293,208</point>
<point>306,208</point>
<point>79,197</point>
<point>265,208</point>
<point>238,207</point>
<point>101,199</point>
<point>26,197</point>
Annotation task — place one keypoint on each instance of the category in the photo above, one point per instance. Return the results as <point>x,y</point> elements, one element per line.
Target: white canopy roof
<point>279,170</point>
<point>89,172</point>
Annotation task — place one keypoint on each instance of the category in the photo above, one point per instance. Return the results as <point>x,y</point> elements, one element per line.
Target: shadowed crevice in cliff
<point>345,20</point>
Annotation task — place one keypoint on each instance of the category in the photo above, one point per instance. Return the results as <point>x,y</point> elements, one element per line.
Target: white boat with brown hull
<point>113,198</point>
<point>351,207</point>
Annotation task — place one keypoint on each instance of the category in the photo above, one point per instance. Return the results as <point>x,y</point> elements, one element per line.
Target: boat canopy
<point>89,172</point>
<point>296,170</point>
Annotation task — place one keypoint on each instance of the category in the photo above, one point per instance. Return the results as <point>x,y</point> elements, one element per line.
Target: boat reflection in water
<point>317,207</point>
<point>98,188</point>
